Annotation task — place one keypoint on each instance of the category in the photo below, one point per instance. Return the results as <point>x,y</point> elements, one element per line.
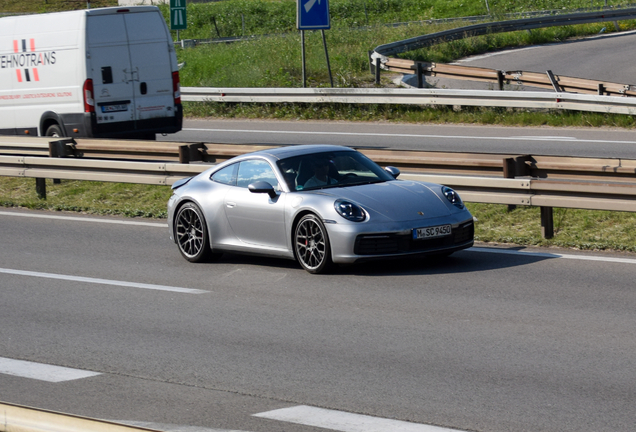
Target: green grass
<point>356,29</point>
<point>122,199</point>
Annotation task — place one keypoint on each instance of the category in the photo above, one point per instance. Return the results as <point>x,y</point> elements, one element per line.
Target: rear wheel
<point>54,131</point>
<point>191,234</point>
<point>311,245</point>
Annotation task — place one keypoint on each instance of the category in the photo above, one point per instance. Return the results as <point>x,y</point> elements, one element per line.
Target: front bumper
<point>355,242</point>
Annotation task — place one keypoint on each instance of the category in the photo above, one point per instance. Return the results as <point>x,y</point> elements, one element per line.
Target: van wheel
<point>54,131</point>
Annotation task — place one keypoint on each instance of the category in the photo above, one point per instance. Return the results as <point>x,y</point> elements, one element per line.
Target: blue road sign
<point>312,15</point>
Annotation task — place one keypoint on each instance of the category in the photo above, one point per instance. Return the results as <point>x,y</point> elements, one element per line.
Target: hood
<point>395,200</point>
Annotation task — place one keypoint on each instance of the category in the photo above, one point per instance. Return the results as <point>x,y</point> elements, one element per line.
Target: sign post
<point>313,15</point>
<point>178,19</point>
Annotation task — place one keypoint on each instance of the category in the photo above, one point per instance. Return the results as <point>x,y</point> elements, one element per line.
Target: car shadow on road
<point>466,261</point>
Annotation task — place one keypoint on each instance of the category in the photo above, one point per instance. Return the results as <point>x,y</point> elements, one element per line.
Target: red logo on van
<point>25,60</point>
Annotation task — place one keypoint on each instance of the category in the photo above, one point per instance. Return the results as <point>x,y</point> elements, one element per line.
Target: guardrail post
<point>420,78</point>
<point>601,89</point>
<point>60,148</point>
<point>500,79</point>
<point>40,188</point>
<point>193,153</point>
<point>513,167</point>
<point>555,84</point>
<point>377,70</point>
<point>547,222</point>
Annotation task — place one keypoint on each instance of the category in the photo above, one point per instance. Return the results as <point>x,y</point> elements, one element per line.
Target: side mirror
<point>393,171</point>
<point>262,187</point>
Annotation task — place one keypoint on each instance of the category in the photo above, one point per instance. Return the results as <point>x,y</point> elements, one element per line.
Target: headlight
<point>453,197</point>
<point>350,211</point>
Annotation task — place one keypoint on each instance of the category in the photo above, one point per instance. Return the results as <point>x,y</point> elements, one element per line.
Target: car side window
<point>253,170</point>
<point>226,175</point>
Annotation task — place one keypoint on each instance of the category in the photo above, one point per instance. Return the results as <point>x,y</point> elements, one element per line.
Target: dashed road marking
<point>102,281</point>
<point>346,422</point>
<point>85,219</point>
<point>554,255</point>
<point>41,371</point>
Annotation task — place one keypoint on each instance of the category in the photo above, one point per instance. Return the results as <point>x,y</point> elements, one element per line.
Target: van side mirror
<point>261,186</point>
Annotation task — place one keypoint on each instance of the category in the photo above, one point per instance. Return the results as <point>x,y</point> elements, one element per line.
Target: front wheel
<point>191,234</point>
<point>311,245</point>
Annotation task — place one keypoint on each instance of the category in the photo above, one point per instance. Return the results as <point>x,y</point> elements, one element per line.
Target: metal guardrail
<point>607,15</point>
<point>379,57</point>
<point>486,98</point>
<point>18,418</point>
<point>528,180</point>
<point>496,77</point>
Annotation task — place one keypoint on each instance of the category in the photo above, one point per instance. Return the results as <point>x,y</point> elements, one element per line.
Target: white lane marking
<point>102,281</point>
<point>168,427</point>
<point>346,422</point>
<point>554,255</point>
<point>42,372</point>
<point>81,219</point>
<point>490,138</point>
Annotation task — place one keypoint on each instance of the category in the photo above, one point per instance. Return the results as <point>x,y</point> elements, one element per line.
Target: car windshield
<point>331,169</point>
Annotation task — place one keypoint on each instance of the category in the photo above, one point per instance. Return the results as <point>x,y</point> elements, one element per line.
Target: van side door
<point>151,58</point>
<point>110,69</point>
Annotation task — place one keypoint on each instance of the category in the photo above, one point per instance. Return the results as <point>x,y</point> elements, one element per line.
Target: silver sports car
<point>317,204</point>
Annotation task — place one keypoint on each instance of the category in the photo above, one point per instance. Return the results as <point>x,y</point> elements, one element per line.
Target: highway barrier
<point>525,180</point>
<point>18,418</point>
<point>604,15</point>
<point>416,96</point>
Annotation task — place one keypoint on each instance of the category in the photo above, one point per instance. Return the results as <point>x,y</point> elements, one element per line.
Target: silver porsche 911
<point>317,204</point>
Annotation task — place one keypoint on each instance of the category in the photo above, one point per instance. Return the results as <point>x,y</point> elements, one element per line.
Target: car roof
<point>277,153</point>
<point>299,150</point>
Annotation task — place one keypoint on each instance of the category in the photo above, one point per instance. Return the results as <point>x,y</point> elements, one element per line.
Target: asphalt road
<point>576,142</point>
<point>602,57</point>
<point>480,341</point>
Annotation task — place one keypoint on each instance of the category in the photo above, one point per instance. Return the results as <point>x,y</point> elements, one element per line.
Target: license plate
<point>114,108</point>
<point>431,232</point>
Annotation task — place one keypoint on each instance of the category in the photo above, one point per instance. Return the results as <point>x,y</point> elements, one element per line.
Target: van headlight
<point>453,197</point>
<point>350,211</point>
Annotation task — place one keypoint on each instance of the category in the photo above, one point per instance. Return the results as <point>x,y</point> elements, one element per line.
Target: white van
<point>109,72</point>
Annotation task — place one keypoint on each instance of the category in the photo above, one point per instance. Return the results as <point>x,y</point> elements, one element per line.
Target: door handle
<point>230,204</point>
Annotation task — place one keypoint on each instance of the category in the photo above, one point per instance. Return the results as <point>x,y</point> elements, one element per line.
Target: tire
<point>311,245</point>
<point>191,234</point>
<point>54,131</point>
